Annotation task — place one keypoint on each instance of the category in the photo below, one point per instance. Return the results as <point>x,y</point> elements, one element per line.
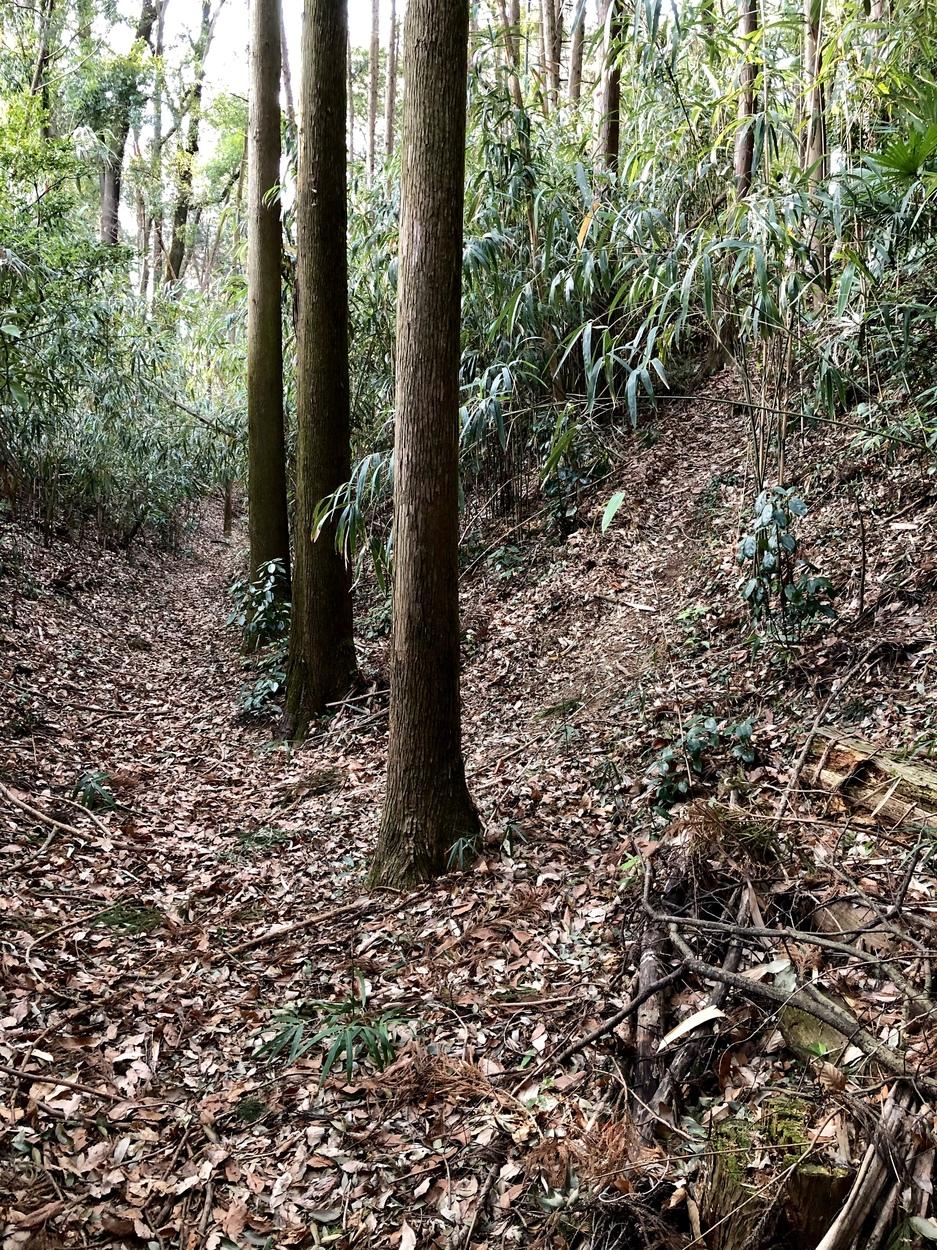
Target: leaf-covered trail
<point>118,958</point>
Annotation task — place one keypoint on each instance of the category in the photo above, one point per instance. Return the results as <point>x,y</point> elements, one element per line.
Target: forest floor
<point>150,947</point>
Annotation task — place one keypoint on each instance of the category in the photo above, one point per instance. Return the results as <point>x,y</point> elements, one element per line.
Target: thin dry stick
<point>361,904</point>
<point>45,1078</point>
<point>606,1026</point>
<point>483,1195</point>
<point>37,814</point>
<point>71,924</point>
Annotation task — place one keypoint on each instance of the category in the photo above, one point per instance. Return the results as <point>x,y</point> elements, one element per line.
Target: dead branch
<point>273,935</point>
<point>822,1010</point>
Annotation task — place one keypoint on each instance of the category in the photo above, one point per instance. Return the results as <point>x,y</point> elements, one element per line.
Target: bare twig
<point>311,922</point>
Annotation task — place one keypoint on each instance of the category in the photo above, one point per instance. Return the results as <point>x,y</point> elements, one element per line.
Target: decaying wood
<point>893,791</point>
<point>887,1058</point>
<point>648,1029</point>
<point>872,1175</point>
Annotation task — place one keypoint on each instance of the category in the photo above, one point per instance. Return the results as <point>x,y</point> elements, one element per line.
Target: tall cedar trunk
<point>511,54</point>
<point>175,261</point>
<point>544,68</point>
<point>287,77</point>
<point>351,104</point>
<point>40,82</point>
<point>745,136</point>
<point>116,143</point>
<point>391,101</point>
<point>610,89</point>
<point>548,29</point>
<point>156,164</point>
<point>268,523</point>
<point>374,72</point>
<point>428,808</point>
<point>322,662</point>
<point>815,154</point>
<point>558,22</point>
<point>576,52</point>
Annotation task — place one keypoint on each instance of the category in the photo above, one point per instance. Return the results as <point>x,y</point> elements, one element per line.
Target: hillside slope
<point>142,961</point>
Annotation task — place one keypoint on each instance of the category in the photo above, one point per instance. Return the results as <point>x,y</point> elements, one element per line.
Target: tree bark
<point>544,56</point>
<point>427,808</point>
<point>610,89</point>
<point>514,17</point>
<point>351,105</point>
<point>175,260</point>
<point>548,34</point>
<point>815,153</point>
<point>558,31</point>
<point>40,84</point>
<point>116,143</point>
<point>745,135</point>
<point>576,52</point>
<point>156,163</point>
<point>285,73</point>
<point>391,100</point>
<point>268,524</point>
<point>322,664</point>
<point>373,82</point>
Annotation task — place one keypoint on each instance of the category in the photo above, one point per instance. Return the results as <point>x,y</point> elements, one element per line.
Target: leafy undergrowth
<point>256,1053</point>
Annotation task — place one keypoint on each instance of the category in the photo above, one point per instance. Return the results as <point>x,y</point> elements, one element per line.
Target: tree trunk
<point>544,56</point>
<point>745,135</point>
<point>285,73</point>
<point>322,663</point>
<point>268,524</point>
<point>576,52</point>
<point>373,82</point>
<point>548,36</point>
<point>427,808</point>
<point>40,83</point>
<point>116,142</point>
<point>175,261</point>
<point>351,105</point>
<point>557,66</point>
<point>391,102</point>
<point>815,154</point>
<point>514,17</point>
<point>156,164</point>
<point>610,89</point>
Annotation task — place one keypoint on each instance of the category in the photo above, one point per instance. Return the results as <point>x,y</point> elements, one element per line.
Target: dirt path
<point>117,954</point>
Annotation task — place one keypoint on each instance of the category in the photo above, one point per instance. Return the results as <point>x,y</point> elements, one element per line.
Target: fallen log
<point>893,791</point>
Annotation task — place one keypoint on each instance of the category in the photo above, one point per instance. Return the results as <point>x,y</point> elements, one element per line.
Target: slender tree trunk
<point>745,136</point>
<point>544,69</point>
<point>815,153</point>
<point>322,663</point>
<point>427,808</point>
<point>610,89</point>
<point>514,19</point>
<point>40,82</point>
<point>548,43</point>
<point>576,52</point>
<point>391,102</point>
<point>116,143</point>
<point>285,73</point>
<point>268,523</point>
<point>373,83</point>
<point>175,261</point>
<point>511,55</point>
<point>558,31</point>
<point>156,163</point>
<point>351,105</point>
